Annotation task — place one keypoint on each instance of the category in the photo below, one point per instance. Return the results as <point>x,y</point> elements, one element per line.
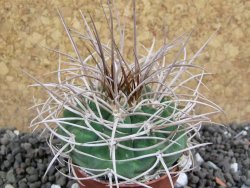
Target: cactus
<point>128,121</point>
<point>129,169</point>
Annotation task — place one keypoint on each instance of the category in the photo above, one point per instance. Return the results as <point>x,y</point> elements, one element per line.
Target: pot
<point>162,182</point>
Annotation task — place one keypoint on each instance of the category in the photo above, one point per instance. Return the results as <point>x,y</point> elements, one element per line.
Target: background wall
<point>26,25</point>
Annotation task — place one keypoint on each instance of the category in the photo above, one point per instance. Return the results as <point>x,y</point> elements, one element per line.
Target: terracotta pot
<point>162,182</point>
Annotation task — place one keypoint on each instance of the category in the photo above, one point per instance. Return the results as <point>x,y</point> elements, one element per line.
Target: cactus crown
<point>128,121</point>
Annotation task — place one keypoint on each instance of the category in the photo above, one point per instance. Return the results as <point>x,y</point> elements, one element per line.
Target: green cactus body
<point>154,90</point>
<point>125,168</point>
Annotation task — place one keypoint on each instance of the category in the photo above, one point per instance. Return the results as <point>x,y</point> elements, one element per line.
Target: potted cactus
<point>120,123</point>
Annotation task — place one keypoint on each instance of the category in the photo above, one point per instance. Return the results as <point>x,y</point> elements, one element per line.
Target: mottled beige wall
<point>26,24</point>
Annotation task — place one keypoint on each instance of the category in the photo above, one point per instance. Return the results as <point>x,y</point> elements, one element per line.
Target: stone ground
<point>26,25</point>
<point>24,158</point>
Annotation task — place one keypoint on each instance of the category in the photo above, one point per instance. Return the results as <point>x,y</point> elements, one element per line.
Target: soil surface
<point>24,158</point>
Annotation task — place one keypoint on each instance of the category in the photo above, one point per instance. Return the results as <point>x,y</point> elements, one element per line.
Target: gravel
<point>24,158</point>
<point>226,162</point>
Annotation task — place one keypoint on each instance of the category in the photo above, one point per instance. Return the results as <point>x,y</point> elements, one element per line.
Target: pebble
<point>41,167</point>
<point>18,158</point>
<point>219,139</point>
<point>2,150</point>
<point>230,153</point>
<point>244,186</point>
<point>246,162</point>
<point>194,179</point>
<point>2,175</point>
<point>35,185</point>
<point>202,174</point>
<point>52,178</point>
<point>248,174</point>
<point>212,165</point>
<point>199,159</point>
<point>33,140</point>
<point>32,178</point>
<point>243,178</point>
<point>76,185</point>
<point>10,176</point>
<point>180,182</point>
<point>16,132</point>
<point>26,146</point>
<point>61,180</point>
<point>185,162</point>
<point>229,178</point>
<point>16,150</point>
<point>19,171</point>
<point>229,184</point>
<point>55,186</point>
<point>31,170</point>
<point>234,167</point>
<point>4,140</point>
<point>23,185</point>
<point>46,185</point>
<point>6,164</point>
<point>236,176</point>
<point>247,182</point>
<point>10,134</point>
<point>9,186</point>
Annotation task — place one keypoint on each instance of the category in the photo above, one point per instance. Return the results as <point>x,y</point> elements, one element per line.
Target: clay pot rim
<point>125,185</point>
